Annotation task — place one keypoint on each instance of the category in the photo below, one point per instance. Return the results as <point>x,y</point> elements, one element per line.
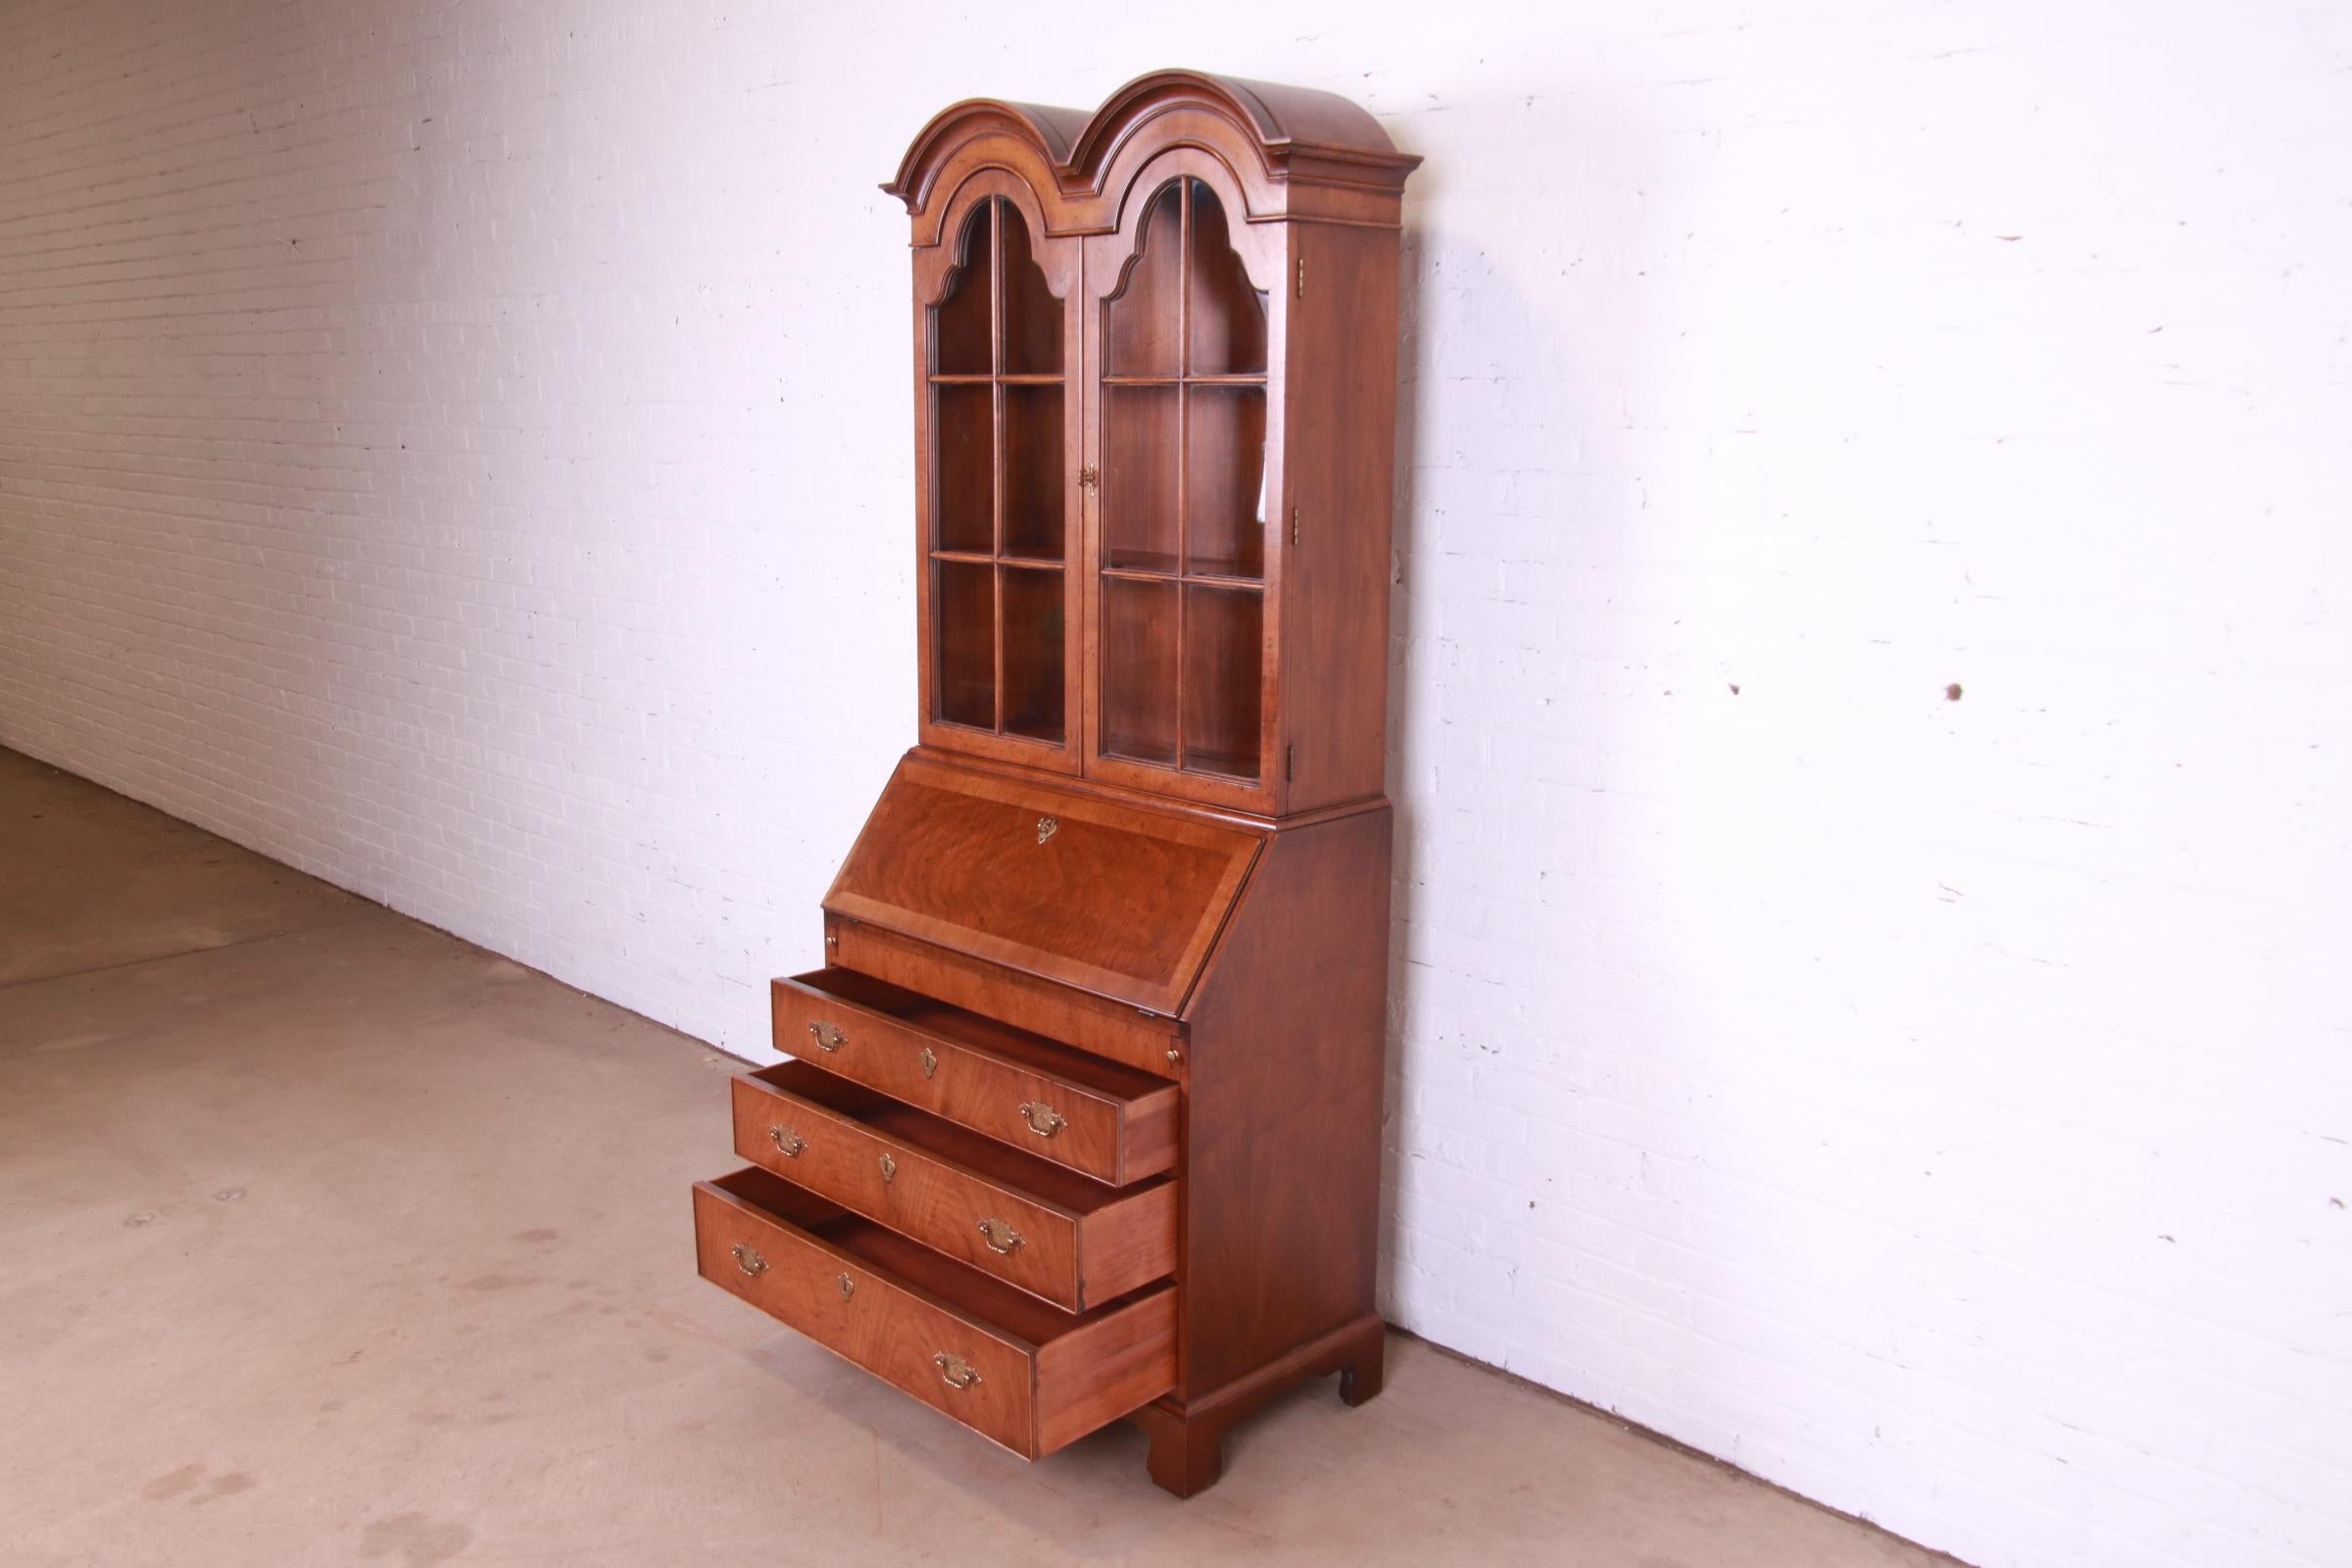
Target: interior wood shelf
<point>1203,579</point>
<point>1252,378</point>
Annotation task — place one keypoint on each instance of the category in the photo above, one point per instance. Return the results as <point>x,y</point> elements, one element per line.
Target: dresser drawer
<point>1012,1368</point>
<point>1114,1123</point>
<point>1049,1231</point>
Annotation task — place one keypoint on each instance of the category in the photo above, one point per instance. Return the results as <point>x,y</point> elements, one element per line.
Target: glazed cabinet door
<point>1184,349</point>
<point>997,432</point>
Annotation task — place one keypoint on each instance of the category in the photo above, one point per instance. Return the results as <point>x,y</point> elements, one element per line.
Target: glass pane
<point>1228,316</point>
<point>1138,476</point>
<point>961,328</point>
<point>1225,481</point>
<point>965,472</point>
<point>1138,669</point>
<point>1033,472</point>
<point>1033,652</point>
<point>1221,687</point>
<point>963,605</point>
<point>1032,311</point>
<point>1141,321</point>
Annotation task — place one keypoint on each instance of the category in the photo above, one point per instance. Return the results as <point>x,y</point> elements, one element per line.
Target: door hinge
<point>1302,277</point>
<point>1290,759</point>
<point>1294,525</point>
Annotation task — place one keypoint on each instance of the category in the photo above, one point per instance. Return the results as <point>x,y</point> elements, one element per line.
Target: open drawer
<point>1051,1232</point>
<point>1114,1123</point>
<point>1014,1370</point>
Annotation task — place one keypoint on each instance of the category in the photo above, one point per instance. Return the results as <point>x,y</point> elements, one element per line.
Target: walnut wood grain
<point>1115,1124</point>
<point>1061,884</point>
<point>1282,1128</point>
<point>1051,1232</point>
<point>1046,1377</point>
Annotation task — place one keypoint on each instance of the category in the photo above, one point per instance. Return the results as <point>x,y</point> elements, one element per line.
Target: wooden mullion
<point>1000,209</point>
<point>1184,445</point>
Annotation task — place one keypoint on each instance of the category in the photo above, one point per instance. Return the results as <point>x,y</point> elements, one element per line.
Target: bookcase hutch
<point>1084,1120</point>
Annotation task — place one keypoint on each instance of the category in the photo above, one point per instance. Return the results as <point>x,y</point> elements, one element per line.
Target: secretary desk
<point>1084,1120</point>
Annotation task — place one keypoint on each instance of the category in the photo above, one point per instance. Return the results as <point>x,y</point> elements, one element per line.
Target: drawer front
<point>867,1316</point>
<point>995,1229</point>
<point>1019,1103</point>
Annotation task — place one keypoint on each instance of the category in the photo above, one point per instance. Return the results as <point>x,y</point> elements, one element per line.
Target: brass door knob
<point>1000,1237</point>
<point>1043,1119</point>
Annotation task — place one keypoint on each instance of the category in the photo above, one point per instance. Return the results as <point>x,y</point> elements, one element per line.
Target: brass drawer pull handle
<point>788,1143</point>
<point>954,1371</point>
<point>849,1287</point>
<point>1000,1237</point>
<point>1043,1119</point>
<point>930,1062</point>
<point>889,1167</point>
<point>828,1036</point>
<point>748,1260</point>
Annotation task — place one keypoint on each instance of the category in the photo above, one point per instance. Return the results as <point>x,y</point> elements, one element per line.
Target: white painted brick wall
<point>464,449</point>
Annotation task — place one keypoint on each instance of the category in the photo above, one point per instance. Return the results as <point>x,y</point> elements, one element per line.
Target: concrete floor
<point>325,1238</point>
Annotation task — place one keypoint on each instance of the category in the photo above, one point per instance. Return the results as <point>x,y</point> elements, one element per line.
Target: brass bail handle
<point>749,1259</point>
<point>828,1036</point>
<point>954,1371</point>
<point>1000,1237</point>
<point>788,1143</point>
<point>1043,1119</point>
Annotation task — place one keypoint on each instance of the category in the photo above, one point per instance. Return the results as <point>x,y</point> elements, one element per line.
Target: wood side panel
<point>1085,1022</point>
<point>1129,1243</point>
<point>1037,1096</point>
<point>1282,1159</point>
<point>1341,412</point>
<point>1092,1376</point>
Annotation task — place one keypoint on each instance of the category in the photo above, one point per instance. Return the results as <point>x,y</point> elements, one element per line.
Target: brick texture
<point>462,449</point>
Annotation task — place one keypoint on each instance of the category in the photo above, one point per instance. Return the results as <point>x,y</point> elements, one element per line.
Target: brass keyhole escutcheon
<point>1000,1237</point>
<point>1047,827</point>
<point>1043,1119</point>
<point>849,1287</point>
<point>954,1371</point>
<point>828,1036</point>
<point>748,1260</point>
<point>930,1062</point>
<point>788,1143</point>
<point>889,1167</point>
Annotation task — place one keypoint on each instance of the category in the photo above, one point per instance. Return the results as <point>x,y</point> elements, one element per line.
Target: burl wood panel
<point>1035,1225</point>
<point>1061,884</point>
<point>1115,1124</point>
<point>1046,1377</point>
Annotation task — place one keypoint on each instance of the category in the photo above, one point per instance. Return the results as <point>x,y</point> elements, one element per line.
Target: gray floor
<point>325,1238</point>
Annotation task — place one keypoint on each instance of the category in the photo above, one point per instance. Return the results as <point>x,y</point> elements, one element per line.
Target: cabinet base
<point>1187,1439</point>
